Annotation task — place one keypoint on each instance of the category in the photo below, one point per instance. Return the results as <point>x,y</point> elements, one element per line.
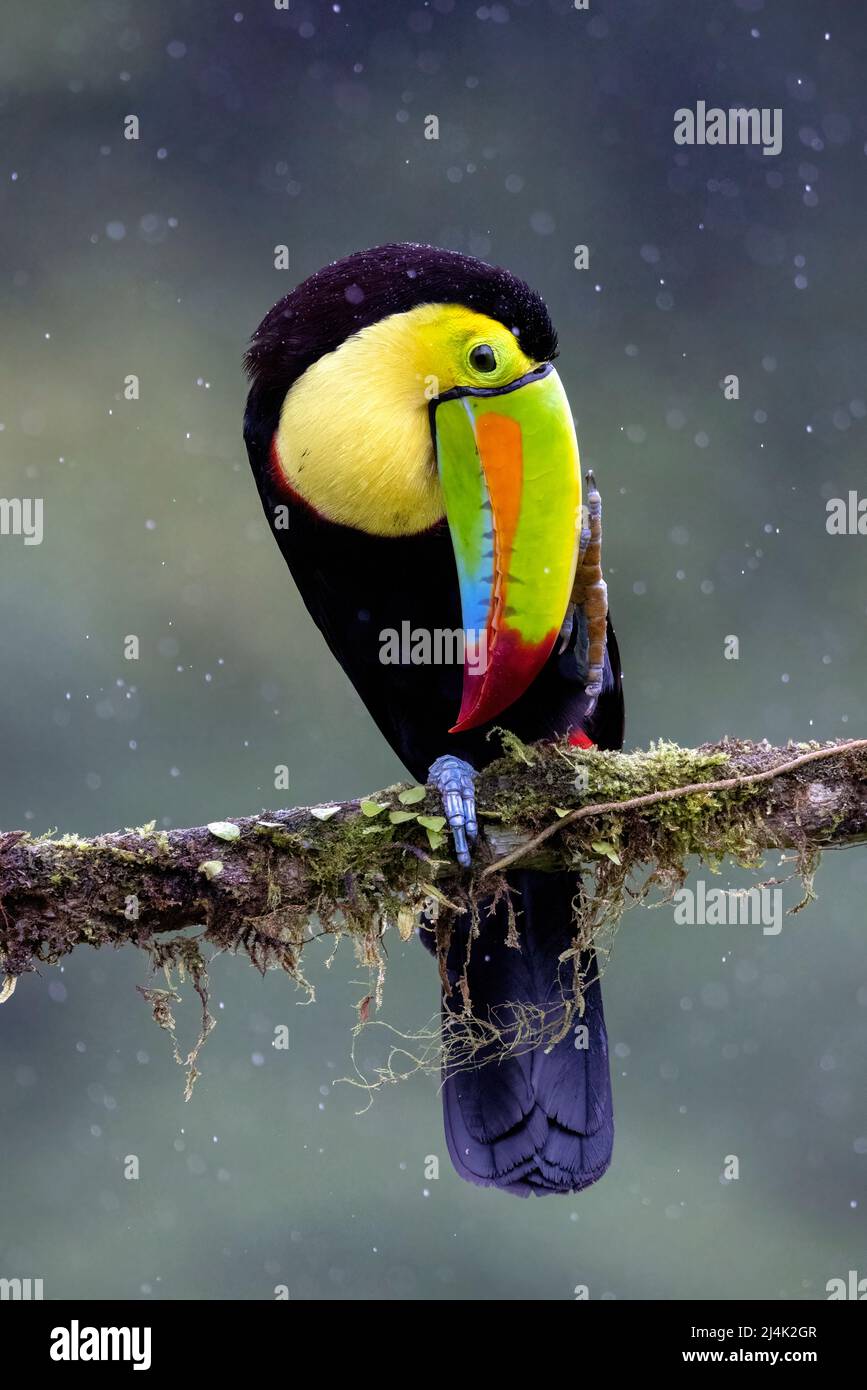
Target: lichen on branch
<point>266,885</point>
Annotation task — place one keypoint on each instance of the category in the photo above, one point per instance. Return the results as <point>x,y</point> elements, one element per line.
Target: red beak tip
<point>471,712</point>
<point>468,722</point>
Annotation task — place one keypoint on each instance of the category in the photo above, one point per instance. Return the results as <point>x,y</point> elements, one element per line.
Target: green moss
<point>513,747</point>
<point>358,874</point>
<point>364,869</point>
<point>280,838</point>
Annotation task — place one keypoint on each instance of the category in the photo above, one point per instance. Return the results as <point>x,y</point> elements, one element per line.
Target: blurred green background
<point>156,257</point>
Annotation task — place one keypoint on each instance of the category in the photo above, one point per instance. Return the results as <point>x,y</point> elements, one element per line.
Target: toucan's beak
<point>510,475</point>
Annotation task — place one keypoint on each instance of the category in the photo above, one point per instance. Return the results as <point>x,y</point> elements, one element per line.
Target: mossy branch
<point>267,884</point>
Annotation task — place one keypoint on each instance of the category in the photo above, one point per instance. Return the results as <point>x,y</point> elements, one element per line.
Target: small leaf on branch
<point>224,829</point>
<point>413,795</point>
<point>602,847</point>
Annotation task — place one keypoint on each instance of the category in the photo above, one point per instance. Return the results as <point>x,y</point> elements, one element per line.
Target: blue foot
<point>455,782</point>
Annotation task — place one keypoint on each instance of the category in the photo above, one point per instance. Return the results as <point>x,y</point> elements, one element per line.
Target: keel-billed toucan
<point>405,415</point>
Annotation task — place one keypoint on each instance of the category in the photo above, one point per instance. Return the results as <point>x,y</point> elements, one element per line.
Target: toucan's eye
<point>483,358</point>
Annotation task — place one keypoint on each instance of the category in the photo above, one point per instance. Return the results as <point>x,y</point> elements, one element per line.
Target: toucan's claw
<point>590,592</point>
<point>455,781</point>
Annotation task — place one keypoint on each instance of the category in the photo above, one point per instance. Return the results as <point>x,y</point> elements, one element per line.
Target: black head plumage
<point>363,288</point>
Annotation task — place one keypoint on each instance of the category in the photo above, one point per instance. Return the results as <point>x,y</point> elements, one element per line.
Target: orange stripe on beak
<point>498,439</point>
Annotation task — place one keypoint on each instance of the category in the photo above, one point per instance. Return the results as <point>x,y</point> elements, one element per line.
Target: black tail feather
<point>539,1121</point>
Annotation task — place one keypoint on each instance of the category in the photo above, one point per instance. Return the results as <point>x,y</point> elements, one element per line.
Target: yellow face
<point>354,435</point>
